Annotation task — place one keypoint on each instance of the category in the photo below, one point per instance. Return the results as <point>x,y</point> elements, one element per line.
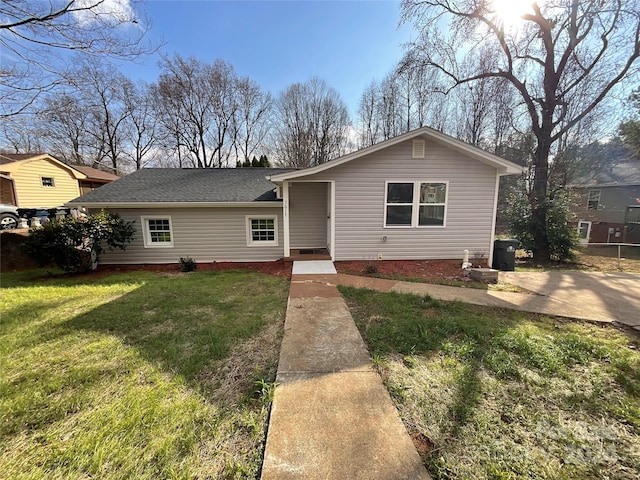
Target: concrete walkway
<point>593,297</point>
<point>600,295</point>
<point>332,417</point>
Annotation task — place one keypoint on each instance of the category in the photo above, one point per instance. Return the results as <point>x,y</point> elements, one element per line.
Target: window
<point>415,204</point>
<point>632,215</point>
<point>433,197</point>
<point>157,232</point>
<point>593,201</point>
<point>48,182</point>
<point>262,230</point>
<point>399,204</point>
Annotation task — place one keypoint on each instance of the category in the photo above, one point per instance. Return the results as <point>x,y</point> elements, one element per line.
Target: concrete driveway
<point>607,296</point>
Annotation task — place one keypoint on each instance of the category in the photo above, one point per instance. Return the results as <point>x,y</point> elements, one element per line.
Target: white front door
<point>584,231</point>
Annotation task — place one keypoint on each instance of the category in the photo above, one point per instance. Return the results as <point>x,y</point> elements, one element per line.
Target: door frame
<point>331,215</point>
<point>585,240</point>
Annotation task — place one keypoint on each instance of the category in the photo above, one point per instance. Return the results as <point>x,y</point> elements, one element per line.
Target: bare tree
<point>368,119</point>
<point>104,90</point>
<point>36,36</point>
<point>65,130</point>
<point>21,136</point>
<point>564,58</point>
<point>202,99</point>
<point>311,124</point>
<point>389,107</point>
<point>142,129</point>
<point>251,125</point>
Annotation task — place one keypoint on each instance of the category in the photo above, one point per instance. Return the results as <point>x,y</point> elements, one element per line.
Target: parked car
<point>8,217</point>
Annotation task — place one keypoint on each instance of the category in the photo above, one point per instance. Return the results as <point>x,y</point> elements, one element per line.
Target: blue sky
<point>276,43</point>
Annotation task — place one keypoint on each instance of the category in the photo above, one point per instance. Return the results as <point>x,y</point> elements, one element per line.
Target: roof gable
<point>13,162</point>
<point>503,166</point>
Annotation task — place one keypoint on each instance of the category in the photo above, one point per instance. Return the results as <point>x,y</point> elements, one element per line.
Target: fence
<point>618,247</point>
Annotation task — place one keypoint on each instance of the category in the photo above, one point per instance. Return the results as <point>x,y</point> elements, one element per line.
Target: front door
<point>584,231</point>
<point>308,215</point>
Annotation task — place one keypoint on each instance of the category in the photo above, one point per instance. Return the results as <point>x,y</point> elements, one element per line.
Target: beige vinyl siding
<point>308,215</point>
<point>360,193</point>
<point>31,193</point>
<point>204,234</point>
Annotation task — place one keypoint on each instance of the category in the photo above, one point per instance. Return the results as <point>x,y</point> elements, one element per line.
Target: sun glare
<point>510,11</point>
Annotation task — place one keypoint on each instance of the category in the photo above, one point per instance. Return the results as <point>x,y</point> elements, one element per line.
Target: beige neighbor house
<point>421,195</point>
<point>41,181</point>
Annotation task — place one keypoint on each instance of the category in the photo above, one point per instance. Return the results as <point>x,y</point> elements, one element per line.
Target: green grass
<point>500,394</point>
<point>137,375</point>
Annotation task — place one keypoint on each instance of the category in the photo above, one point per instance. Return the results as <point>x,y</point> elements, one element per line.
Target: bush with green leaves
<point>70,242</point>
<point>563,238</point>
<point>188,264</point>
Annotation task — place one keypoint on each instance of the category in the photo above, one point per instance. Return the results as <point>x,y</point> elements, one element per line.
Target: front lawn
<point>498,394</point>
<point>138,374</point>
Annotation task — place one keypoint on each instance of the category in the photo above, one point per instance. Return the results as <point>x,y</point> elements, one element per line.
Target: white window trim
<point>416,194</point>
<point>415,212</point>
<point>53,182</point>
<point>386,204</point>
<point>261,243</point>
<point>146,234</point>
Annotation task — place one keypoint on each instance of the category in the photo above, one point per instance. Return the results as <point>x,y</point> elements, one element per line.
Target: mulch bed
<point>419,269</point>
<point>279,268</point>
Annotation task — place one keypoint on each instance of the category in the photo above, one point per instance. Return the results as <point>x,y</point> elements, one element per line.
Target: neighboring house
<point>422,195</point>
<point>41,181</point>
<point>607,207</point>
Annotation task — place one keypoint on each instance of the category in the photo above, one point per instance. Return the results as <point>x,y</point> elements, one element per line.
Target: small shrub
<point>187,264</point>
<point>478,258</point>
<point>371,268</point>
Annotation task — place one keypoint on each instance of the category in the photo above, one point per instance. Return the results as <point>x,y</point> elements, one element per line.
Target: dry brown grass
<point>231,377</point>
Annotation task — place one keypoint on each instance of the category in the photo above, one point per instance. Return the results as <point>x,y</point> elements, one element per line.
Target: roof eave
<point>74,203</point>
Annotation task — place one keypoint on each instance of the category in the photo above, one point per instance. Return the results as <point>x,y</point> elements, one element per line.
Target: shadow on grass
<point>410,325</point>
<point>473,342</point>
<point>180,324</point>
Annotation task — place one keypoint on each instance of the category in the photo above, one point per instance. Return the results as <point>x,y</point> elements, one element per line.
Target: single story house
<point>421,195</point>
<point>38,180</point>
<point>607,208</point>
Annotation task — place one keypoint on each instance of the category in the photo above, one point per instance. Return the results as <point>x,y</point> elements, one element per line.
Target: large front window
<point>415,204</point>
<point>157,232</point>
<point>262,230</point>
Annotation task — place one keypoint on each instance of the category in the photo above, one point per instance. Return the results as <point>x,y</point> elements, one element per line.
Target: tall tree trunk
<point>539,203</point>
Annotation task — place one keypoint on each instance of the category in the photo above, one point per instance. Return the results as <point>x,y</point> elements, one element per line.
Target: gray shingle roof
<point>165,185</point>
